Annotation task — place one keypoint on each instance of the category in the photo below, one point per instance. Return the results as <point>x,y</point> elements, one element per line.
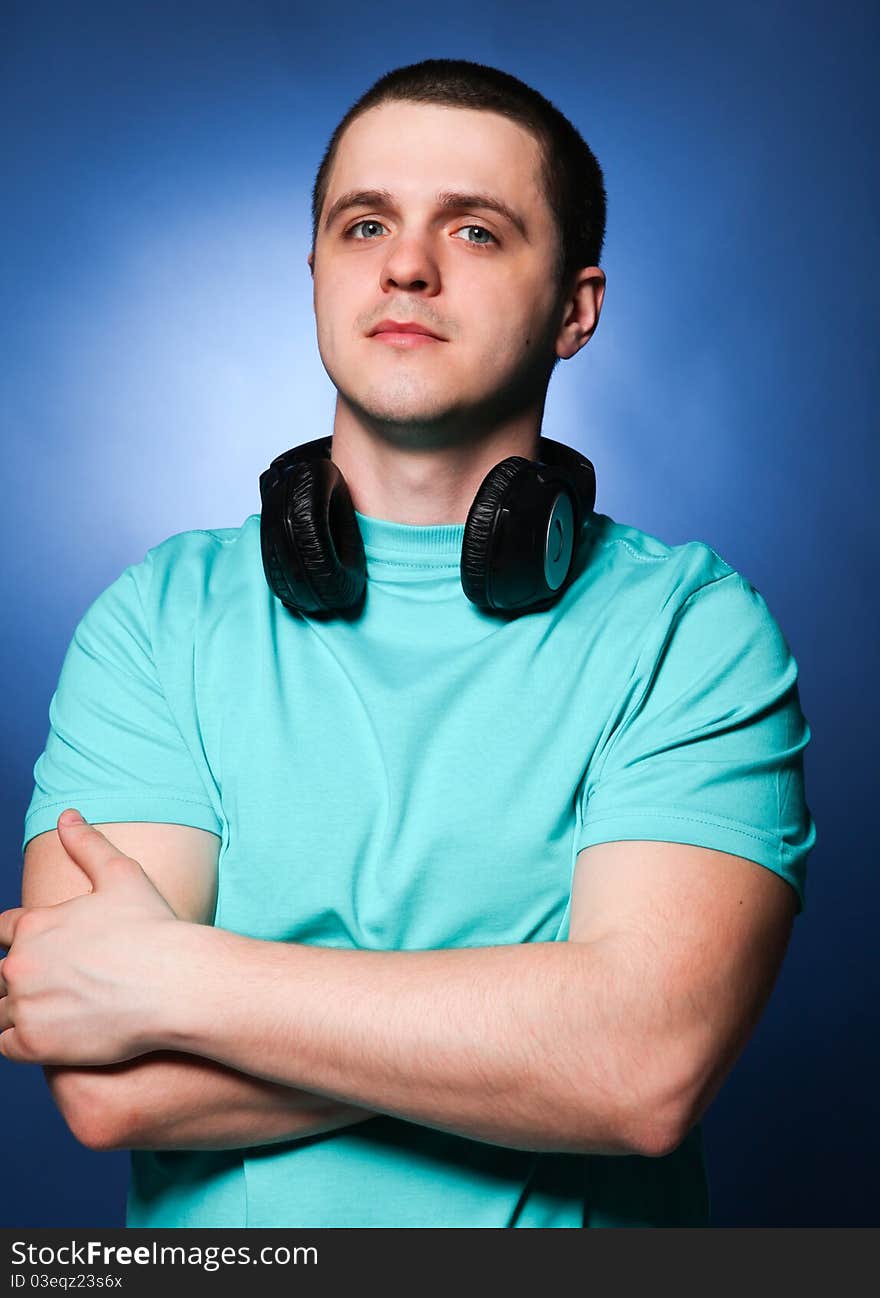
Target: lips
<point>405,327</point>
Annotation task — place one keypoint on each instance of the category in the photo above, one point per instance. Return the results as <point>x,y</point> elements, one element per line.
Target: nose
<point>411,264</point>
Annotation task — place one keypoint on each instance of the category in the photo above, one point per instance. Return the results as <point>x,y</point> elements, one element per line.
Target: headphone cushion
<point>477,542</point>
<point>325,566</point>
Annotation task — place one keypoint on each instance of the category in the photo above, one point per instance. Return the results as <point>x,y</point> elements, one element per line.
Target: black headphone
<point>519,538</point>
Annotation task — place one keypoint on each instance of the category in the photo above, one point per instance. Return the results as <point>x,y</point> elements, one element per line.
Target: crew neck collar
<point>436,545</point>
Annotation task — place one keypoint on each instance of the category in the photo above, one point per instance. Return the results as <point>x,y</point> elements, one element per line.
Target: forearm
<point>166,1100</point>
<point>516,1045</point>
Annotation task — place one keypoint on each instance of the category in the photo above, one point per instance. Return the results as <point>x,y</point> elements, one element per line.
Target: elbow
<point>90,1110</point>
<point>652,1115</point>
<point>664,1117</point>
<point>651,1130</point>
<point>93,1131</point>
<point>649,1134</point>
<point>659,1138</point>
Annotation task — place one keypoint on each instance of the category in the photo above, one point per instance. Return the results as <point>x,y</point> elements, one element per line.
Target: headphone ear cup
<point>476,548</point>
<point>517,551</point>
<point>313,552</point>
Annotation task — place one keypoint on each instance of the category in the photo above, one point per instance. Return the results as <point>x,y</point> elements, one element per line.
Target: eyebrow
<point>447,201</point>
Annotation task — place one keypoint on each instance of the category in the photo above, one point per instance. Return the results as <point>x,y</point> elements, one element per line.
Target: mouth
<point>404,334</point>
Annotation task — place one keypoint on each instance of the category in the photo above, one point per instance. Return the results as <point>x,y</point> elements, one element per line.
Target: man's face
<point>467,272</point>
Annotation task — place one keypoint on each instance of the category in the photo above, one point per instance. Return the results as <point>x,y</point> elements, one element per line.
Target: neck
<point>419,484</point>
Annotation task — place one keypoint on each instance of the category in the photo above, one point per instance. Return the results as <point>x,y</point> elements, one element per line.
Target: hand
<point>81,983</point>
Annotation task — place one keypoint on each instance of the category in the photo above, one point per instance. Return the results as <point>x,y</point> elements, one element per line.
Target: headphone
<point>519,538</point>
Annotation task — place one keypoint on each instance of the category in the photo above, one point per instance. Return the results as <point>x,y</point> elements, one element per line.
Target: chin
<point>399,403</point>
<point>411,420</point>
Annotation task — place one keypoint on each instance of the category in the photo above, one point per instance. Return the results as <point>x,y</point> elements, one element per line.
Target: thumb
<point>94,854</point>
<point>8,921</point>
<point>10,1047</point>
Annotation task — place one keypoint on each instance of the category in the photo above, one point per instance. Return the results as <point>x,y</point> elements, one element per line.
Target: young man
<point>413,907</point>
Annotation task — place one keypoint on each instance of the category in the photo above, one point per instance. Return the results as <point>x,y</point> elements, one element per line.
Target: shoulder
<point>622,553</point>
<point>647,589</point>
<point>193,567</point>
<point>177,582</point>
<point>199,549</point>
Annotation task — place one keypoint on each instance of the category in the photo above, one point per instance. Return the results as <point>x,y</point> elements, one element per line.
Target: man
<point>414,912</point>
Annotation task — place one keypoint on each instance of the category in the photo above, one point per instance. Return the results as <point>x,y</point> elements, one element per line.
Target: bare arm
<point>613,1042</point>
<point>177,1101</point>
<point>169,1100</point>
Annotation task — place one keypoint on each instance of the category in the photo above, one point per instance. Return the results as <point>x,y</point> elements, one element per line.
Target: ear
<point>582,309</point>
<point>311,260</point>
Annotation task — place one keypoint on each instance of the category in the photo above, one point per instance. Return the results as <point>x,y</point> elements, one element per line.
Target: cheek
<point>333,324</point>
<point>517,314</point>
<point>505,338</point>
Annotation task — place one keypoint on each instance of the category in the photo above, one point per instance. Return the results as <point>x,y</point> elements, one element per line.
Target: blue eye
<point>366,221</point>
<point>484,230</point>
<point>350,232</point>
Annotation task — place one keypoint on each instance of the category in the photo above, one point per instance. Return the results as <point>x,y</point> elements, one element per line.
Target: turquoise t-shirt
<point>419,776</point>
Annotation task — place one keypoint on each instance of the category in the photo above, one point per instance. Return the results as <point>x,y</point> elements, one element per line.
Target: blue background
<point>159,349</point>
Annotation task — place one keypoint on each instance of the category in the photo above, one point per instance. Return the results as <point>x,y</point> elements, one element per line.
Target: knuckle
<point>29,921</point>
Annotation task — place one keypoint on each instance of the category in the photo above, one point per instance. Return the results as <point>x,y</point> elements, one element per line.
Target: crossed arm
<point>166,1099</point>
<point>615,1042</point>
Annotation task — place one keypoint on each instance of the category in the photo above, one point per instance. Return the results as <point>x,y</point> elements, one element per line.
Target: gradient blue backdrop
<point>159,350</point>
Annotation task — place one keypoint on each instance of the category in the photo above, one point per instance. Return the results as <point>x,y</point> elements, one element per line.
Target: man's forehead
<point>418,118</point>
<point>417,151</point>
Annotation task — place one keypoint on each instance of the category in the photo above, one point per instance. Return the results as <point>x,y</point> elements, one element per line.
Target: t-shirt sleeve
<point>113,749</point>
<point>708,745</point>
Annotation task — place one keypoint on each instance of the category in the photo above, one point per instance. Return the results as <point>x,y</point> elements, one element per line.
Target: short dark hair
<point>573,182</point>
